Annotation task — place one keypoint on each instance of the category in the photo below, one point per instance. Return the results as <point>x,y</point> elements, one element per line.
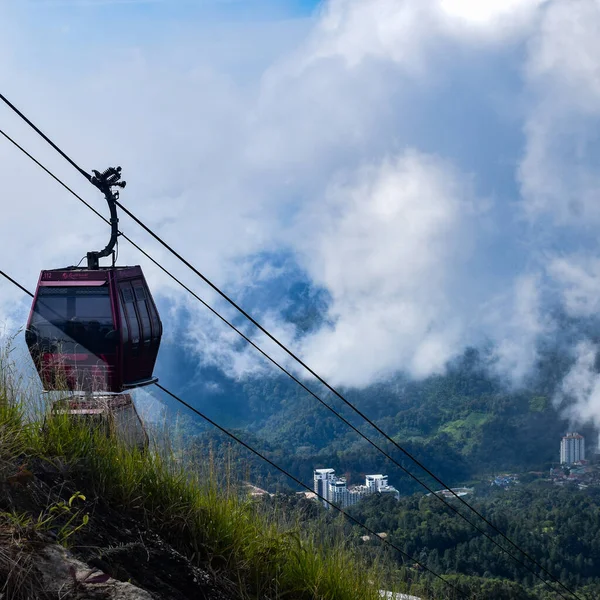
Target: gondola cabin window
<point>74,319</point>
<point>140,297</point>
<point>124,325</point>
<point>132,318</point>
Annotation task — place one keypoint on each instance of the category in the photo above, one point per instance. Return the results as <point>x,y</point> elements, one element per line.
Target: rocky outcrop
<point>64,576</point>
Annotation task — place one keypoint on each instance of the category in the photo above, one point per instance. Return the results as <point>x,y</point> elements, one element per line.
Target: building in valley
<point>572,449</point>
<point>335,489</point>
<point>321,479</point>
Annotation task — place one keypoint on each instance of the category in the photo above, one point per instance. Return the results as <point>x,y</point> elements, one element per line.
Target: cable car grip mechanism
<point>105,182</point>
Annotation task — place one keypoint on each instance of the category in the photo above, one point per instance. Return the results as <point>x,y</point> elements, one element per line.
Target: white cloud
<point>218,345</point>
<point>559,171</point>
<point>517,323</point>
<point>491,13</point>
<point>387,244</point>
<point>384,29</point>
<point>581,387</point>
<point>409,32</point>
<point>578,278</point>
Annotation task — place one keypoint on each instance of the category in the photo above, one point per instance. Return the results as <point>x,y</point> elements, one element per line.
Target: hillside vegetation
<point>118,509</point>
<point>557,526</point>
<point>175,520</point>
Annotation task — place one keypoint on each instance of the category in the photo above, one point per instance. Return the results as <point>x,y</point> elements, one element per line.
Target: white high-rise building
<point>376,482</point>
<point>335,490</point>
<point>321,479</point>
<point>572,448</point>
<point>379,484</point>
<point>338,492</point>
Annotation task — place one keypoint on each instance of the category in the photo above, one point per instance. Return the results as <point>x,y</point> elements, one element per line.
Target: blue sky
<point>148,13</point>
<point>427,166</point>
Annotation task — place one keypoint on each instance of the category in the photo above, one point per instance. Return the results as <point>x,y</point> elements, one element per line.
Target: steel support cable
<point>16,283</point>
<point>291,376</point>
<point>43,135</point>
<point>281,469</point>
<point>296,358</point>
<point>408,454</point>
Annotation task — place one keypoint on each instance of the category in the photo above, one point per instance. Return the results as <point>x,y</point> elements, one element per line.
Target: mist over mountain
<point>384,184</point>
<point>465,423</point>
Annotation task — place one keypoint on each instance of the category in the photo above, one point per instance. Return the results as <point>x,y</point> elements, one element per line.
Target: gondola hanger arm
<point>105,182</point>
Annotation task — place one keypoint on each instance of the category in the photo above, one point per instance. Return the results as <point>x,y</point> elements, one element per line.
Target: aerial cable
<point>41,133</point>
<point>301,384</point>
<point>16,283</point>
<point>308,368</point>
<point>282,470</point>
<point>296,358</point>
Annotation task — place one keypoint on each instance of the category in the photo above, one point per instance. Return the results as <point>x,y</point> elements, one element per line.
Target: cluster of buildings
<point>582,475</point>
<point>335,489</point>
<point>331,488</point>
<point>453,492</point>
<point>572,449</point>
<point>505,481</point>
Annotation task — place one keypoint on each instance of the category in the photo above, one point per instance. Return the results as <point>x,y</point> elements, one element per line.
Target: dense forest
<point>555,526</point>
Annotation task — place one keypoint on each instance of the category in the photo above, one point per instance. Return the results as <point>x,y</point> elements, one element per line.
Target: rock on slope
<point>113,556</point>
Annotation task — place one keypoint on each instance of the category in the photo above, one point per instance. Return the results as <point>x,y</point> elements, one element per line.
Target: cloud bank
<point>428,166</point>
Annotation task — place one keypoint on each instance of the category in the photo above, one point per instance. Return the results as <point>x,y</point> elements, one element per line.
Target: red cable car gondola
<point>95,329</point>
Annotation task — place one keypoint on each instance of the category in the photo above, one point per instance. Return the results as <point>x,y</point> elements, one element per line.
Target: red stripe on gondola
<point>57,283</point>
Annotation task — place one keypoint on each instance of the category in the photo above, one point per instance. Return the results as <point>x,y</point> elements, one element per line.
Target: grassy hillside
<point>113,507</point>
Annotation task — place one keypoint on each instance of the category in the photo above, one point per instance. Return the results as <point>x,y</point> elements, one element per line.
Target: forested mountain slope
<point>462,424</point>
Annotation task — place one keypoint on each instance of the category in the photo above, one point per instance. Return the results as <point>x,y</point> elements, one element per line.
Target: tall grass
<point>204,517</point>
